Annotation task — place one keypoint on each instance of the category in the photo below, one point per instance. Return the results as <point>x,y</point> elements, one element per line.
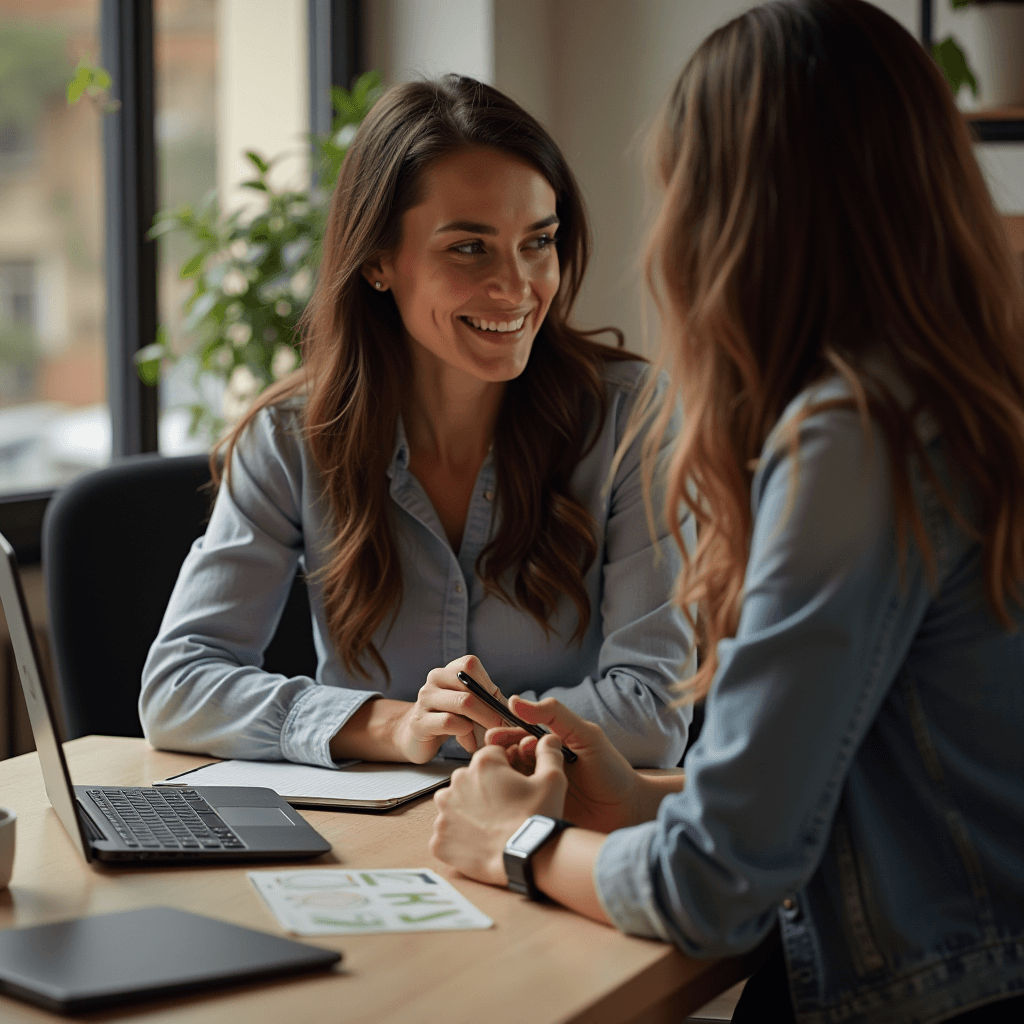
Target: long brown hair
<point>823,205</point>
<point>356,371</point>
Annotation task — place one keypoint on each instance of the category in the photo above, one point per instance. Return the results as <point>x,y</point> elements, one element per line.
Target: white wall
<point>526,53</point>
<point>262,94</point>
<point>409,39</point>
<point>595,72</point>
<point>614,64</point>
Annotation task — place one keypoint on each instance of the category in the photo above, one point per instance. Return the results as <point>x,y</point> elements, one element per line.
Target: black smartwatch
<point>519,851</point>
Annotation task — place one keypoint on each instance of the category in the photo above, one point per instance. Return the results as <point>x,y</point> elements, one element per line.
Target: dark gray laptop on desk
<point>135,823</point>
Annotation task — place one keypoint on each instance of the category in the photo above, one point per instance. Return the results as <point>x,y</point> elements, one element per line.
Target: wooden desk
<point>539,963</point>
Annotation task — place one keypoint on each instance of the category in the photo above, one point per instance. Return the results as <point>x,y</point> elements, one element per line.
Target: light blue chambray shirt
<point>860,776</point>
<point>203,689</point>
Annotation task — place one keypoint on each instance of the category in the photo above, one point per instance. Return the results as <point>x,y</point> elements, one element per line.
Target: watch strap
<point>519,866</point>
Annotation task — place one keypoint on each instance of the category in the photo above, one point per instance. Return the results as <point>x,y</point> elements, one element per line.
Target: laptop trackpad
<point>254,816</point>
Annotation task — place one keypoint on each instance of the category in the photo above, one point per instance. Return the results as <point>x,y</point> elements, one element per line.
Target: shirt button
<point>458,588</point>
<point>788,904</point>
<point>489,495</point>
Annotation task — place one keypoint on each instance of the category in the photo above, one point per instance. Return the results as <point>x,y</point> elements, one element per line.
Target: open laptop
<point>139,823</point>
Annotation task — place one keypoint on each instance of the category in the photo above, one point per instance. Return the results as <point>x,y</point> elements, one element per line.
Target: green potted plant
<point>252,276</point>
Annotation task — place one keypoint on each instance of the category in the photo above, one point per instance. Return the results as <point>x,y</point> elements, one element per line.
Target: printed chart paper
<point>329,901</point>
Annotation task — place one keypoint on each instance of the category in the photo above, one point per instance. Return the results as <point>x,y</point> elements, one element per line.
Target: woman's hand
<point>488,801</point>
<point>605,792</point>
<point>397,730</point>
<point>443,708</point>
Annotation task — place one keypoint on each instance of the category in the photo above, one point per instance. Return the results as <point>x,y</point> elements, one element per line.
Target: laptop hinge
<point>94,834</point>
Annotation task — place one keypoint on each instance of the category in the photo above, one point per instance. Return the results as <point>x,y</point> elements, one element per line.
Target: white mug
<point>7,822</point>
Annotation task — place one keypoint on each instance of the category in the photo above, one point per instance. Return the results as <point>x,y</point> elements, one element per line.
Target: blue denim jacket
<point>203,688</point>
<point>860,774</point>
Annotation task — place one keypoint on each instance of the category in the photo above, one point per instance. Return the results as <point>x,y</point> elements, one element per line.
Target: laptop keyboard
<point>153,819</point>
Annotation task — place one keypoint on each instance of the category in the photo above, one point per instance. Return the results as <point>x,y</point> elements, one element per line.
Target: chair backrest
<point>113,542</point>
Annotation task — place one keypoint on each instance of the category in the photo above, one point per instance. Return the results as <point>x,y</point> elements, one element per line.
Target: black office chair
<point>113,542</point>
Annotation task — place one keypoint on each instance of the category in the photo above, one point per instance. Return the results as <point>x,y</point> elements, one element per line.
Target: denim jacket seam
<point>969,860</point>
<point>880,991</point>
<point>803,976</point>
<point>867,958</point>
<point>822,817</point>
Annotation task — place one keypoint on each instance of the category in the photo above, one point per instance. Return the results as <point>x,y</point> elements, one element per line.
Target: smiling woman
<point>442,468</point>
<point>458,283</point>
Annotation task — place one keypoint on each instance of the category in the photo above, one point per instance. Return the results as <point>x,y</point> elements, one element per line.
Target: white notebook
<point>359,784</point>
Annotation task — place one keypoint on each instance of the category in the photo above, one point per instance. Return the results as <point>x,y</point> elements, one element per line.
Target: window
<point>201,80</point>
<point>225,82</point>
<point>53,418</point>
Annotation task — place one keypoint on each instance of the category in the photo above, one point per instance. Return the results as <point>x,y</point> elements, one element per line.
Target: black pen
<point>495,705</point>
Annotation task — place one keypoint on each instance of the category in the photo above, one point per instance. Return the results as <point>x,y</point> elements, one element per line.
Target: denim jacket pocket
<point>867,957</point>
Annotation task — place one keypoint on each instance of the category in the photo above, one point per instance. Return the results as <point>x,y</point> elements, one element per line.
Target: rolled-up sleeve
<point>203,688</point>
<point>624,885</point>
<point>824,628</point>
<point>647,643</point>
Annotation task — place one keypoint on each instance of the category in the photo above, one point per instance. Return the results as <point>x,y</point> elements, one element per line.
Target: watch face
<point>531,835</point>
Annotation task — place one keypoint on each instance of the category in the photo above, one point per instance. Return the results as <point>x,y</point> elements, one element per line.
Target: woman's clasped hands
<point>516,775</point>
<point>443,708</point>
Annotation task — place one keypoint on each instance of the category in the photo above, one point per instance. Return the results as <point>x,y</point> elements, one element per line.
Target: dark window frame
<point>130,190</point>
<point>130,193</point>
<point>335,56</point>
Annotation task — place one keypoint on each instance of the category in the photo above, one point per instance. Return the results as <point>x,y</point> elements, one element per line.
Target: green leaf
<point>199,288</point>
<point>162,226</point>
<point>364,83</point>
<point>76,87</point>
<point>90,81</point>
<point>192,266</point>
<point>198,414</point>
<point>954,66</point>
<point>255,184</point>
<point>342,103</point>
<point>257,161</point>
<point>209,238</point>
<point>147,361</point>
<point>367,90</point>
<point>200,311</point>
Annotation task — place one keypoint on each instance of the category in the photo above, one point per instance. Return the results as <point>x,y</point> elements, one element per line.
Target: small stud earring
<point>378,285</point>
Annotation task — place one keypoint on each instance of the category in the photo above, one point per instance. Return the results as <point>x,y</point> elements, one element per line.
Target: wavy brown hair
<point>356,373</point>
<point>823,208</point>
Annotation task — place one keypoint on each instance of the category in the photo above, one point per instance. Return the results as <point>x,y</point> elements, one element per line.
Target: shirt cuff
<point>622,880</point>
<point>314,720</point>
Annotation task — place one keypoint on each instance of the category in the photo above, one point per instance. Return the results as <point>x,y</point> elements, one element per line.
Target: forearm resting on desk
<point>564,870</point>
<point>371,734</point>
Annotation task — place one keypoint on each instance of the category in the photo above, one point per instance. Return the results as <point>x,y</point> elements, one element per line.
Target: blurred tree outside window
<point>53,418</point>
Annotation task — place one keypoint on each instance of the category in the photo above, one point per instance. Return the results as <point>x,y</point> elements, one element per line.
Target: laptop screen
<point>51,754</point>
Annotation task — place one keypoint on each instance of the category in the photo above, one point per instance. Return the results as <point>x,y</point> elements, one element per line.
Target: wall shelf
<point>998,124</point>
